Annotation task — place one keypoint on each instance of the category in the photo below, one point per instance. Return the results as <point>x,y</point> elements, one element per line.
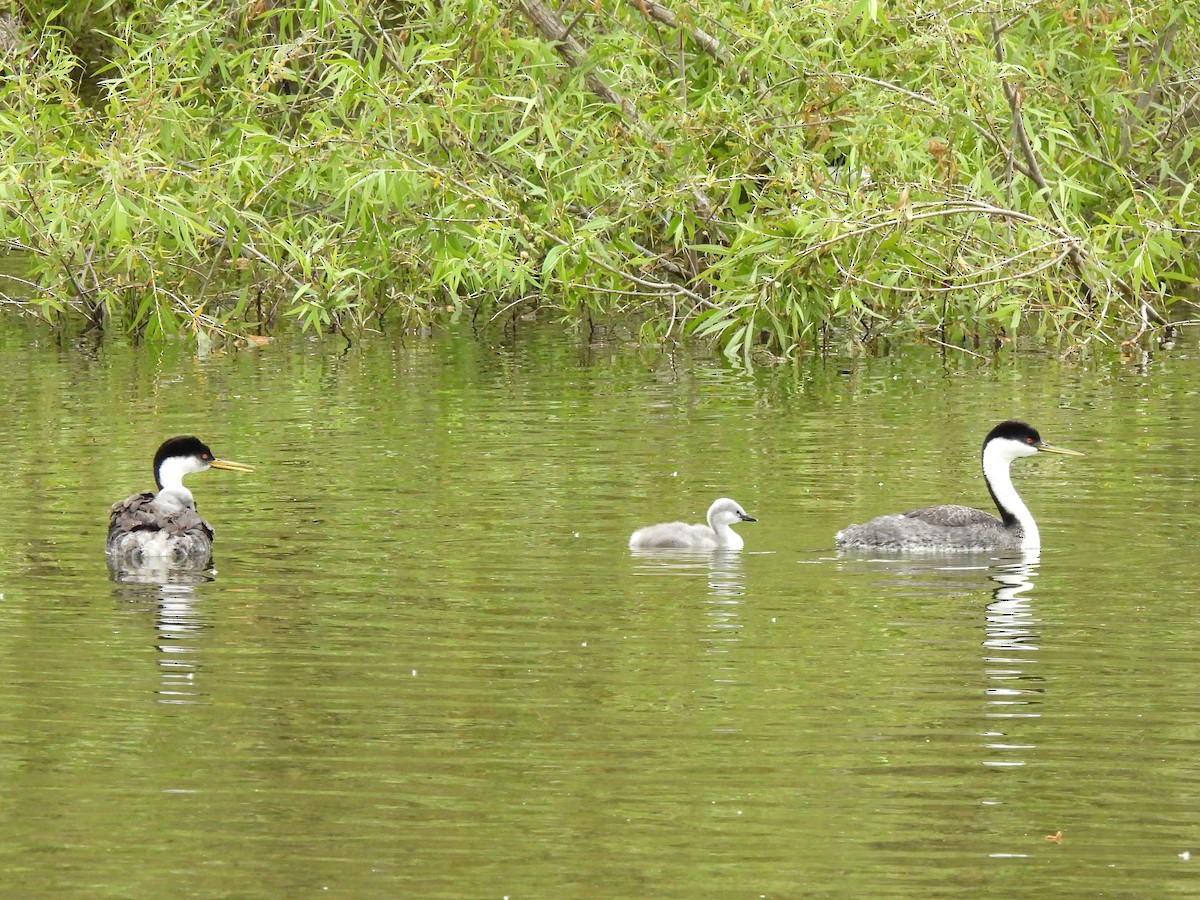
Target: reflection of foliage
<point>754,173</point>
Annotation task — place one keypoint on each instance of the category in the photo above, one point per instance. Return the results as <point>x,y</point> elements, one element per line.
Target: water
<point>427,665</point>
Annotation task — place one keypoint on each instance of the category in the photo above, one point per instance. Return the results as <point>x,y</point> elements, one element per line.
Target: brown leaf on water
<point>1056,837</point>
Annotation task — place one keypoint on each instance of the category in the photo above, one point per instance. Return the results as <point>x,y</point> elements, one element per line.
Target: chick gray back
<point>674,536</point>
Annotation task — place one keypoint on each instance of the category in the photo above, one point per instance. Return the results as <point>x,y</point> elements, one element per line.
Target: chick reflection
<point>726,585</point>
<point>723,569</point>
<point>721,608</point>
<point>726,580</point>
<point>1010,637</point>
<point>178,623</point>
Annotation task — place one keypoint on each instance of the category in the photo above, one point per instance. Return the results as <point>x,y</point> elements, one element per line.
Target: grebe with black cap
<point>166,525</point>
<point>962,528</point>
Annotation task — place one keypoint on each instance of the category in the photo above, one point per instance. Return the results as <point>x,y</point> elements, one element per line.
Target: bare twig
<point>971,286</point>
<point>955,347</point>
<point>1033,170</point>
<point>551,27</point>
<point>93,311</point>
<point>575,21</point>
<point>913,95</point>
<point>12,244</point>
<point>949,208</point>
<point>24,282</point>
<point>702,39</point>
<point>1018,118</point>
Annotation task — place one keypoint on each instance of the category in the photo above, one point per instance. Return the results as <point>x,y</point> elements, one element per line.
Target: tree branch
<point>664,16</point>
<point>551,27</point>
<point>928,101</point>
<point>1033,170</point>
<point>1018,119</point>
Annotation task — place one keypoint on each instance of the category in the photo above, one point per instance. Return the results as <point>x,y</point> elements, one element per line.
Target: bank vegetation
<point>769,176</point>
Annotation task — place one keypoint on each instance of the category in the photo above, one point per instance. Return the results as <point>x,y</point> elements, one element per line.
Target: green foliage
<point>756,174</point>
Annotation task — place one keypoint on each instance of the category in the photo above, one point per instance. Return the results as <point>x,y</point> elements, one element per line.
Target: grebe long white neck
<point>171,491</point>
<point>997,457</point>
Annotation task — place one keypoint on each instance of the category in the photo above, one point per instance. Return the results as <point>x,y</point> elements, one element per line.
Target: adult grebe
<point>953,528</point>
<point>166,524</point>
<point>716,535</point>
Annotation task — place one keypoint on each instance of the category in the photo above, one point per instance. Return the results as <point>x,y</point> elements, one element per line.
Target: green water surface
<point>427,665</point>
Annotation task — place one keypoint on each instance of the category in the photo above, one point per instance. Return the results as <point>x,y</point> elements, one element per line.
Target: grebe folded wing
<point>951,516</point>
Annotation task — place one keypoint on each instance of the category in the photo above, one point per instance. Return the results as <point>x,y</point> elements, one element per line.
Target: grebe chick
<point>716,535</point>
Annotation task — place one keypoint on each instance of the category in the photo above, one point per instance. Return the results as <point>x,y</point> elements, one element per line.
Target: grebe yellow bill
<point>166,525</point>
<point>961,528</point>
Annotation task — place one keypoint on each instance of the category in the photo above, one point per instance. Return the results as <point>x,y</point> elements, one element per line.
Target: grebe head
<point>727,512</point>
<point>1012,439</point>
<point>185,455</point>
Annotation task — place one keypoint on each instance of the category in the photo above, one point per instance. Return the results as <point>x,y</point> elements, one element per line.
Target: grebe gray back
<point>962,528</point>
<point>166,525</point>
<point>716,535</point>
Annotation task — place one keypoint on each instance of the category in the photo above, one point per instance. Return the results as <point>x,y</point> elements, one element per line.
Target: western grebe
<point>166,524</point>
<point>716,535</point>
<point>941,528</point>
